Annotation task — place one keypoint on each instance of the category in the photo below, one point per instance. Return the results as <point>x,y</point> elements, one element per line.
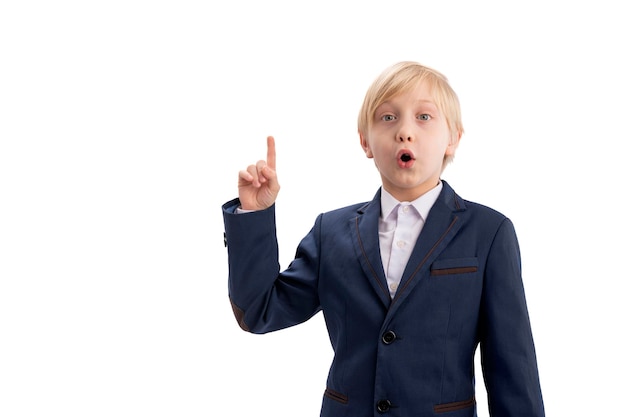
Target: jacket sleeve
<point>508,355</point>
<point>263,298</point>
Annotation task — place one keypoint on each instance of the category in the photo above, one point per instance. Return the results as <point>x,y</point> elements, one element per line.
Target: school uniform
<point>404,348</point>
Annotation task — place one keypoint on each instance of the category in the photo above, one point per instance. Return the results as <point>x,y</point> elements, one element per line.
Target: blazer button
<point>389,337</point>
<point>383,406</point>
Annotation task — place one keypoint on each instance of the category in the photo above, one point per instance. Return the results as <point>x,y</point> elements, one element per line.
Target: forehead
<point>420,92</point>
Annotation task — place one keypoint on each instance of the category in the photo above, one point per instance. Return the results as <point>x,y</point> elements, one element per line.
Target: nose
<point>404,133</point>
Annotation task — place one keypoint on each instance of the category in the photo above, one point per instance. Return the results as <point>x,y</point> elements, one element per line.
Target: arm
<point>263,298</point>
<point>507,348</point>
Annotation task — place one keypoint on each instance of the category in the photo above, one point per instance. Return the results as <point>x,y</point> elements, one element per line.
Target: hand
<point>258,185</point>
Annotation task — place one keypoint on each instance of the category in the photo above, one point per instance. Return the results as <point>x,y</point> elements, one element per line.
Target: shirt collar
<point>422,204</point>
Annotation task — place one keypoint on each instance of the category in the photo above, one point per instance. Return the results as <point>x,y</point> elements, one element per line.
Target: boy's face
<point>408,140</point>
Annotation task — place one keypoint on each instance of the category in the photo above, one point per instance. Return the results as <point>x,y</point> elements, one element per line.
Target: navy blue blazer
<point>412,355</point>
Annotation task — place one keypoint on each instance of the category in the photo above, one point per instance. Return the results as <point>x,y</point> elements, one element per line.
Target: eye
<point>424,117</point>
<point>388,118</point>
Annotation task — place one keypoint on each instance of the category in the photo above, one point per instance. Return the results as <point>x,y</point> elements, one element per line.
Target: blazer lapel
<point>364,229</point>
<point>441,226</point>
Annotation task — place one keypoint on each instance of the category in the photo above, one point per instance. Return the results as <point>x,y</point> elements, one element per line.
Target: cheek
<point>374,148</point>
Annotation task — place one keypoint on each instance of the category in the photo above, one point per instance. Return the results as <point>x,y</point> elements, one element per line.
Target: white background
<point>123,125</point>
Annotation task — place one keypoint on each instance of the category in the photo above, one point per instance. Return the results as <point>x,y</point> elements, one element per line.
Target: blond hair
<point>403,76</point>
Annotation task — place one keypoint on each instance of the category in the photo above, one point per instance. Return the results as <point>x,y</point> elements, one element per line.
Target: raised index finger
<point>271,152</point>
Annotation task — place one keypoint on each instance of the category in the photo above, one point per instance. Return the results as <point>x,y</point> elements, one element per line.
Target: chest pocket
<point>454,266</point>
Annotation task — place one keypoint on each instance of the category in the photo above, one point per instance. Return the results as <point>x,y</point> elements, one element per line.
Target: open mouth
<point>405,158</point>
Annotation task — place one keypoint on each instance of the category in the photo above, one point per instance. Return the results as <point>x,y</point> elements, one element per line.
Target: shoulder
<point>480,215</point>
<point>487,221</point>
<point>347,210</point>
<point>458,203</point>
<point>484,211</point>
<point>343,213</point>
<point>354,210</point>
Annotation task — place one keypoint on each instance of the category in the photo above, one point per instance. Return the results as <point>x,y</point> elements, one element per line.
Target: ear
<point>455,138</point>
<point>365,145</point>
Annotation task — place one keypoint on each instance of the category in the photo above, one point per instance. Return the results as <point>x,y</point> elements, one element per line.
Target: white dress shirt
<point>399,227</point>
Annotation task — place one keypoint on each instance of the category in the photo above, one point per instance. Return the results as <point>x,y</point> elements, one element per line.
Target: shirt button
<point>401,243</point>
<point>393,286</point>
<point>383,406</point>
<point>405,209</point>
<point>389,337</point>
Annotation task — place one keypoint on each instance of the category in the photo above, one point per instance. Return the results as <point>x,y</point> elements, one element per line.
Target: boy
<point>409,283</point>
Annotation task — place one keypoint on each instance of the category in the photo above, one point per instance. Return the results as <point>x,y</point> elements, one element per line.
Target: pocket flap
<point>454,266</point>
<point>455,406</point>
